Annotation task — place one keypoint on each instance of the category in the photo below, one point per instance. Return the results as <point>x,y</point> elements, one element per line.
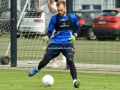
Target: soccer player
<point>67,29</point>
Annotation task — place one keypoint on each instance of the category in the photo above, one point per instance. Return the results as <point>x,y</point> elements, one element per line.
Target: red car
<point>106,25</point>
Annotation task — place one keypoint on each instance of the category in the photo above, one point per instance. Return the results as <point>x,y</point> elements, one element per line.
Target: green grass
<point>18,80</point>
<point>98,52</point>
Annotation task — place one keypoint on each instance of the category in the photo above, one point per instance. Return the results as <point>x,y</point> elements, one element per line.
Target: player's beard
<point>64,14</point>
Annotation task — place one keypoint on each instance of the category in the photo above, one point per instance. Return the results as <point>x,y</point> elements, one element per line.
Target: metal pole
<point>22,13</point>
<point>69,4</point>
<point>13,33</point>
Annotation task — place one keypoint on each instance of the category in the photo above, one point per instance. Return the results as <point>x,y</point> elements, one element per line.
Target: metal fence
<point>29,45</point>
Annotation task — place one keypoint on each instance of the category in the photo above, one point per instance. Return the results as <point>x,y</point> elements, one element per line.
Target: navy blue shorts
<point>53,50</point>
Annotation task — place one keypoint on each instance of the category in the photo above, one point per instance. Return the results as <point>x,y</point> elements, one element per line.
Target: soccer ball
<point>47,80</point>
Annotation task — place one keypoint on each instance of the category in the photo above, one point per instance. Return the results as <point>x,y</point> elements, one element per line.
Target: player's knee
<point>70,57</point>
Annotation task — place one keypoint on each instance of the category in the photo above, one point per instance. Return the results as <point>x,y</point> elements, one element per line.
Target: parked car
<point>106,25</point>
<point>32,24</point>
<point>85,19</point>
<point>5,21</point>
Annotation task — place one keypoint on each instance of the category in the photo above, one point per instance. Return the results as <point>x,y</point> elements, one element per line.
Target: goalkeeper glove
<point>72,38</point>
<point>45,38</point>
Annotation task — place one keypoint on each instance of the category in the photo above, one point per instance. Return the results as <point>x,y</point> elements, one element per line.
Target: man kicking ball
<point>67,29</point>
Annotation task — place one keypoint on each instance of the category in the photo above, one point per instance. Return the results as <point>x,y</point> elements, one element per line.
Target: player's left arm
<point>76,25</point>
<point>76,28</point>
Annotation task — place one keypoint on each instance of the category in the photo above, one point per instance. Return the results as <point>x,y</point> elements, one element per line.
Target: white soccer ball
<point>47,80</point>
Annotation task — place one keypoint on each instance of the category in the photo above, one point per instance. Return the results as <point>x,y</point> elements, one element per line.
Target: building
<point>93,4</point>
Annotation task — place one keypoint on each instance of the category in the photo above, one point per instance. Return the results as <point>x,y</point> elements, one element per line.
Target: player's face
<point>61,10</point>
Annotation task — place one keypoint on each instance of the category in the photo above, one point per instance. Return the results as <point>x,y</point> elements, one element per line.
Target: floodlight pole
<point>13,33</point>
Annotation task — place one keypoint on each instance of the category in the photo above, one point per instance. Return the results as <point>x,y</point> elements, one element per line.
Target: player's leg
<point>42,63</point>
<point>73,71</point>
<point>69,53</point>
<point>49,55</point>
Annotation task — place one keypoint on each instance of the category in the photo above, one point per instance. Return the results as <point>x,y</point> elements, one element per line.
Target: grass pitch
<point>19,80</point>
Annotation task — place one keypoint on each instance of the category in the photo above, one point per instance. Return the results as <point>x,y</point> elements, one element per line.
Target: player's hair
<point>61,2</point>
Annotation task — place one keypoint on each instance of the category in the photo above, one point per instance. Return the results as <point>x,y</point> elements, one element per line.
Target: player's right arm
<point>37,9</point>
<point>50,28</point>
<point>51,25</point>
